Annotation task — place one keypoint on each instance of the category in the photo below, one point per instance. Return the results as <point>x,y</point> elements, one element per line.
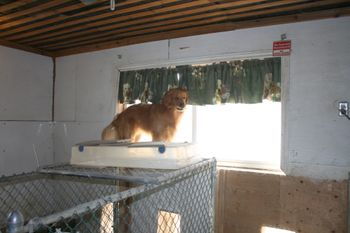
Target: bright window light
<point>241,133</point>
<point>265,229</point>
<point>184,129</point>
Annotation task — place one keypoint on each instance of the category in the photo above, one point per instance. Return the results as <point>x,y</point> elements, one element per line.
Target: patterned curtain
<point>247,81</point>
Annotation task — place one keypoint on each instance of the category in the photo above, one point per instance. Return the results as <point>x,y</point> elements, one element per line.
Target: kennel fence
<point>80,199</point>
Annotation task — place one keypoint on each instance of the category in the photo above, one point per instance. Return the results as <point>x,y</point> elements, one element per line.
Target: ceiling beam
<point>155,25</point>
<point>81,21</point>
<point>13,5</point>
<point>25,48</point>
<point>333,13</point>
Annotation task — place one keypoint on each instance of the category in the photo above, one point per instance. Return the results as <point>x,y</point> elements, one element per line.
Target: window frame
<point>285,79</point>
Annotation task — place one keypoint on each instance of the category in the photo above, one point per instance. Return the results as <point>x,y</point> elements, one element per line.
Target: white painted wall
<point>25,111</point>
<point>316,139</point>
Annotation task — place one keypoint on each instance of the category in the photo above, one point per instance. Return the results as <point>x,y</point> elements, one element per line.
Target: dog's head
<point>176,98</point>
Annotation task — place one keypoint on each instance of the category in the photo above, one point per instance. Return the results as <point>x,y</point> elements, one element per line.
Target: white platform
<point>155,155</point>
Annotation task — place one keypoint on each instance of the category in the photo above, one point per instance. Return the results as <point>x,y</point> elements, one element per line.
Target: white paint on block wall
<point>25,111</point>
<point>316,138</point>
<point>25,85</point>
<point>320,77</point>
<point>66,103</point>
<point>67,134</point>
<point>24,146</point>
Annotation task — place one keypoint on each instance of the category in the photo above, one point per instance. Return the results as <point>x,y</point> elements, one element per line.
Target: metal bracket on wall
<point>343,109</point>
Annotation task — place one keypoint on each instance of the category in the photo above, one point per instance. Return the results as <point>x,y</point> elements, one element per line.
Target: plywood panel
<point>249,198</point>
<point>247,201</point>
<point>313,206</point>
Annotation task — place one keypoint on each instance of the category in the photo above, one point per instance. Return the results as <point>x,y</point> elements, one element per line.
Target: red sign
<point>281,48</point>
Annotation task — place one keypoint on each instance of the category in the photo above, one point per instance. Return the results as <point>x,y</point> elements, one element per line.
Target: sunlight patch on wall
<point>168,222</point>
<point>265,229</point>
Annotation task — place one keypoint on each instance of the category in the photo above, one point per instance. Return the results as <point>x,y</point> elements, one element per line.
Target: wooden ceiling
<point>64,27</point>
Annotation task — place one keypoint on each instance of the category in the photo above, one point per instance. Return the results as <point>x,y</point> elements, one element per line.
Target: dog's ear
<point>167,99</point>
<point>187,96</point>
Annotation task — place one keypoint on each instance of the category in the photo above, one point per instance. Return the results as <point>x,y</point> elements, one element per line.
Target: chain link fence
<point>78,199</point>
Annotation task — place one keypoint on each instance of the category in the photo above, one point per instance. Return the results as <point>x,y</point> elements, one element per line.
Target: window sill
<point>249,167</point>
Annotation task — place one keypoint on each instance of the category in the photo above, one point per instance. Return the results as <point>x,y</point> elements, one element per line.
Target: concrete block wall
<point>314,137</point>
<point>26,125</point>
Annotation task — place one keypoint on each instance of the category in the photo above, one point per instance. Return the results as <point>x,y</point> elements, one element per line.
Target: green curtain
<point>247,81</point>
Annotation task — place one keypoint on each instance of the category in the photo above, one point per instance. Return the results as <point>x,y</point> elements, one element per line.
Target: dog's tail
<point>109,133</point>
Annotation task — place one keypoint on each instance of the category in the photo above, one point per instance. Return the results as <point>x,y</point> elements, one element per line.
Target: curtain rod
<point>196,60</point>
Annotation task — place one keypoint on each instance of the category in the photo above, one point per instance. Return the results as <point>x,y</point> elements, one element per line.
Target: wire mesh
<point>111,200</point>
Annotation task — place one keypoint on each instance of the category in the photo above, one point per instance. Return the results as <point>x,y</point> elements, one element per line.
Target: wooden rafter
<point>58,28</point>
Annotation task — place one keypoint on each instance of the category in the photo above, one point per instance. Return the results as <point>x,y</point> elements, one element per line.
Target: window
<point>235,107</point>
<point>243,135</point>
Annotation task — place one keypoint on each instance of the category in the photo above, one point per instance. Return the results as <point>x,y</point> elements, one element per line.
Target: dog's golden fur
<point>157,120</point>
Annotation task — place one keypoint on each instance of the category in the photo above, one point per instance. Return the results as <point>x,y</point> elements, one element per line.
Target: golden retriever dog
<point>157,120</point>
